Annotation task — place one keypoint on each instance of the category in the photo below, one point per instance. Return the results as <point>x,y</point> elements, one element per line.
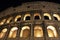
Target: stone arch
<point>9,19</point>
<point>37,16</point>
<point>52,31</point>
<point>27,17</point>
<point>56,17</point>
<point>38,31</point>
<point>47,16</point>
<point>2,22</point>
<point>18,18</point>
<point>3,33</point>
<point>13,32</point>
<point>25,31</point>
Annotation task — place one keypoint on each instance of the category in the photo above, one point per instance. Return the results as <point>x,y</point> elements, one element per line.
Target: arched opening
<point>37,16</point>
<point>13,32</point>
<point>56,17</point>
<point>52,31</point>
<point>2,22</point>
<point>3,33</point>
<point>47,16</point>
<point>25,31</point>
<point>9,20</point>
<point>17,18</point>
<point>38,31</point>
<point>27,17</point>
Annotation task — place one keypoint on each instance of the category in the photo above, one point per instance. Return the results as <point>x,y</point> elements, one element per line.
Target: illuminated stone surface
<point>31,21</point>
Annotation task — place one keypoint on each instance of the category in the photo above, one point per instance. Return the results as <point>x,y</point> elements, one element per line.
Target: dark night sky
<point>8,3</point>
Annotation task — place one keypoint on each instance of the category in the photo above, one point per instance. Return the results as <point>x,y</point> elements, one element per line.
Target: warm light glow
<point>51,31</point>
<point>2,22</point>
<point>3,32</point>
<point>26,16</point>
<point>25,31</point>
<point>57,16</point>
<point>38,32</point>
<point>13,32</point>
<point>8,21</point>
<point>18,16</point>
<point>37,14</point>
<point>47,14</point>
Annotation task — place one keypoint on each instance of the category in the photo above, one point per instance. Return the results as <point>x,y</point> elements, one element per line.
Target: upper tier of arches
<point>31,17</point>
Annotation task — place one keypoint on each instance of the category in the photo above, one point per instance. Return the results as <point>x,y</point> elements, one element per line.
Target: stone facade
<point>31,21</point>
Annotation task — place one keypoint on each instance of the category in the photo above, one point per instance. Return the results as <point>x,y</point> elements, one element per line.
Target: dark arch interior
<point>46,17</point>
<point>55,18</point>
<point>36,18</point>
<point>18,19</point>
<point>10,20</point>
<point>27,18</point>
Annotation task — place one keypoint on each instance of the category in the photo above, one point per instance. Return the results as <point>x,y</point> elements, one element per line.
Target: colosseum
<point>31,21</point>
